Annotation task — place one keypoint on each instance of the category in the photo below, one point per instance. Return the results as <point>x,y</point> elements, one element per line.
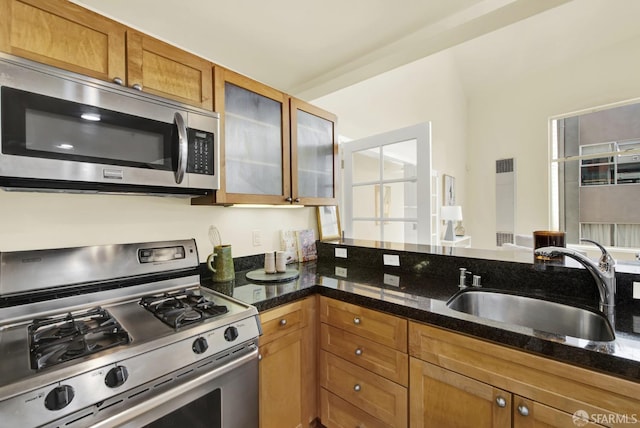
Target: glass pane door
<point>385,176</point>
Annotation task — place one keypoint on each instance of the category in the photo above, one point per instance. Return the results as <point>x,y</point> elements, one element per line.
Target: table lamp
<point>450,213</point>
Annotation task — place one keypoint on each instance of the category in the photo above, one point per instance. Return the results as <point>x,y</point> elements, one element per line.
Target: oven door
<point>225,397</point>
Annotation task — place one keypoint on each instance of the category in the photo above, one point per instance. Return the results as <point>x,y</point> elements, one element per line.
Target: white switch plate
<point>391,259</point>
<point>340,271</point>
<point>636,290</point>
<point>341,252</point>
<point>392,280</point>
<point>256,237</point>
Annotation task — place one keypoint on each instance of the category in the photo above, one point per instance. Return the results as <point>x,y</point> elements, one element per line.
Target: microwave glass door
<point>46,127</point>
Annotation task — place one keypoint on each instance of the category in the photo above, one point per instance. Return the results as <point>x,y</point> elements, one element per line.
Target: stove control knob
<point>200,345</point>
<point>59,397</point>
<point>116,376</point>
<point>231,334</point>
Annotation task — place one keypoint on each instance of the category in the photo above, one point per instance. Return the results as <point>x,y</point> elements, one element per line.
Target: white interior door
<point>387,186</point>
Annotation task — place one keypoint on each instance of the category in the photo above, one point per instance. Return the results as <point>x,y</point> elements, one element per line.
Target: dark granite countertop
<point>420,295</point>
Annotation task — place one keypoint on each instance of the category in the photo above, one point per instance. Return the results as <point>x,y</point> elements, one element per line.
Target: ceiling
<point>312,48</point>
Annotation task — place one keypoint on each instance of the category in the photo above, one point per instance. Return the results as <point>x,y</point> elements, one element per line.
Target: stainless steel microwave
<point>61,131</point>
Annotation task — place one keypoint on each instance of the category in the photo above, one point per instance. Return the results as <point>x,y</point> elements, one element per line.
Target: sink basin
<point>541,315</point>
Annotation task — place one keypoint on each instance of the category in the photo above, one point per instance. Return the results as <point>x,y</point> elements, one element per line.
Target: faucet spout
<point>603,273</point>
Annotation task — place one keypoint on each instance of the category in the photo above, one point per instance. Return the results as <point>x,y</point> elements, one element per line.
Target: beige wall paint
<point>425,90</point>
<point>50,220</point>
<point>511,120</point>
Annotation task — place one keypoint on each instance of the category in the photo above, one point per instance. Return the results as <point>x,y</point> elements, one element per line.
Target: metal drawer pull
<point>523,410</point>
<point>357,387</point>
<point>501,402</point>
<point>283,322</point>
<point>358,351</point>
<point>356,320</point>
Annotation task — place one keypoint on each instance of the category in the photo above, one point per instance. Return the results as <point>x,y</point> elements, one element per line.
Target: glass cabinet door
<point>255,150</point>
<point>313,155</point>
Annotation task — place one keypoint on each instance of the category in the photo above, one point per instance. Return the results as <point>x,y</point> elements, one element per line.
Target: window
<point>595,175</point>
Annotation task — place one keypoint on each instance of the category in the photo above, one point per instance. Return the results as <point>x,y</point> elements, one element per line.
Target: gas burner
<point>58,339</point>
<point>182,308</point>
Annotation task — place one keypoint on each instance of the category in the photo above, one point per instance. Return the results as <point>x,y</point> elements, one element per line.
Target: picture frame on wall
<point>328,223</point>
<point>449,190</point>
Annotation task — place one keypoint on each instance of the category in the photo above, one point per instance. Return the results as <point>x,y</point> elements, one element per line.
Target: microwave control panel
<point>200,158</point>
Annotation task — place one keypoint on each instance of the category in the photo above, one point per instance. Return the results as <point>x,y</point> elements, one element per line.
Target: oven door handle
<point>183,146</point>
<point>142,413</point>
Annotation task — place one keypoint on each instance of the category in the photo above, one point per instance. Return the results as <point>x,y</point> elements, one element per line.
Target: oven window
<point>205,412</point>
<point>47,127</point>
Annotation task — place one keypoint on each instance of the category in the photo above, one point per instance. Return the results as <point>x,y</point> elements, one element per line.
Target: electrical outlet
<point>341,252</point>
<point>636,290</point>
<point>256,236</point>
<point>340,271</point>
<point>391,259</point>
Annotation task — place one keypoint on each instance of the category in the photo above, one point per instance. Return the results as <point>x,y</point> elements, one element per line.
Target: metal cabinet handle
<point>358,351</point>
<point>523,410</point>
<point>118,81</point>
<point>357,387</point>
<point>288,199</point>
<point>283,322</point>
<point>137,86</point>
<point>356,320</point>
<point>259,357</point>
<point>501,402</point>
<point>296,200</point>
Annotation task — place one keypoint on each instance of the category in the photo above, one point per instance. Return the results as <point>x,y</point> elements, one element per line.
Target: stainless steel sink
<point>541,315</point>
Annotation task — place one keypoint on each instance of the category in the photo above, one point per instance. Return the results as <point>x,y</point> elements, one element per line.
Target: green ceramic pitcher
<point>220,262</point>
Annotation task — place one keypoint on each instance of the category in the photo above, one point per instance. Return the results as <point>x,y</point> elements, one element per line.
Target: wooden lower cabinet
<point>460,381</point>
<point>363,367</point>
<point>288,367</point>
<point>442,398</point>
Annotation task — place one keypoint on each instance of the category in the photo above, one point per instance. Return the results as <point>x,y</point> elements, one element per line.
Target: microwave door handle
<point>182,147</point>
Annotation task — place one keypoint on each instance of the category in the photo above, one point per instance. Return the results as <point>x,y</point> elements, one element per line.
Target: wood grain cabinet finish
<point>477,383</point>
<point>64,35</point>
<point>164,70</point>
<point>274,149</point>
<point>288,366</point>
<point>363,367</point>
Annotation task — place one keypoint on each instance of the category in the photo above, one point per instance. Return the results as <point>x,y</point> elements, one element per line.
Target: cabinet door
<point>64,35</point>
<point>165,70</point>
<point>530,414</point>
<point>314,160</point>
<point>441,398</point>
<point>255,158</point>
<point>281,382</point>
<point>288,368</point>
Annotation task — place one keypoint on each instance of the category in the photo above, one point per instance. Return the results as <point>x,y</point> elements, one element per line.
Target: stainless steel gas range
<point>123,335</point>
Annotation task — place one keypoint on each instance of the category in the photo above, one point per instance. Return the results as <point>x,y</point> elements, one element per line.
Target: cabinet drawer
<point>380,359</point>
<point>377,396</point>
<point>337,413</point>
<point>282,320</point>
<point>379,327</point>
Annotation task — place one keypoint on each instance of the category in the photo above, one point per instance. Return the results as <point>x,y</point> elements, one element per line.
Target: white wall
<point>425,90</point>
<point>48,220</point>
<point>511,120</point>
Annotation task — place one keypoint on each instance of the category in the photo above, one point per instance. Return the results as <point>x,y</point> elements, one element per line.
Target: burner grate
<point>58,339</point>
<point>182,308</point>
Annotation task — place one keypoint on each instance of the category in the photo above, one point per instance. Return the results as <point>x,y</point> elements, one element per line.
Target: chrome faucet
<point>603,272</point>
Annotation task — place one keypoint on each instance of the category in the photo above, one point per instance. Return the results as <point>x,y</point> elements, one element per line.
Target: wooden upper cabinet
<point>254,136</point>
<point>64,35</point>
<point>314,160</point>
<point>164,70</point>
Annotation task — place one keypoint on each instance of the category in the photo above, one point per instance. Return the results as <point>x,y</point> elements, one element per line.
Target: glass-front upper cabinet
<point>255,144</point>
<point>313,154</point>
<point>274,149</point>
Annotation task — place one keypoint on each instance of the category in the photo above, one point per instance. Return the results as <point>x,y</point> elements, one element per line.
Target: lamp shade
<point>451,212</point>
